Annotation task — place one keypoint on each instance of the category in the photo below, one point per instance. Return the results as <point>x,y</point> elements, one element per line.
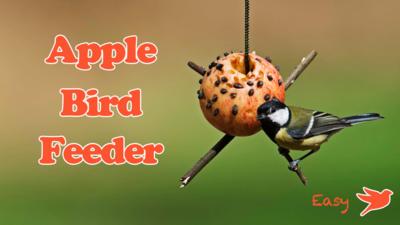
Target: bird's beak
<point>261,116</point>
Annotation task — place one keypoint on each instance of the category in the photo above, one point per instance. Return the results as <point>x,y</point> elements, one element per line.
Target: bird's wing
<point>364,198</point>
<point>300,120</point>
<point>370,191</point>
<point>325,123</point>
<point>311,123</point>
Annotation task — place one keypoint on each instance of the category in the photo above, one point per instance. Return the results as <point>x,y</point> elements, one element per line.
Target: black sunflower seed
<point>212,65</point>
<point>233,95</point>
<point>216,111</point>
<point>235,110</point>
<point>219,67</point>
<point>237,85</point>
<point>214,98</point>
<point>217,82</point>
<point>270,78</point>
<point>251,92</point>
<point>224,79</point>
<point>260,83</point>
<point>280,82</point>
<point>267,97</point>
<point>209,104</point>
<point>268,59</point>
<point>200,94</point>
<point>250,83</point>
<point>223,90</point>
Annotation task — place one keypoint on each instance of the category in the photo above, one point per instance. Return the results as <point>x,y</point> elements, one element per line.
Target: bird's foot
<point>294,165</point>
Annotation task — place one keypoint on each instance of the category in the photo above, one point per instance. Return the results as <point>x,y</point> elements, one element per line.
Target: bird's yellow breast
<point>283,139</point>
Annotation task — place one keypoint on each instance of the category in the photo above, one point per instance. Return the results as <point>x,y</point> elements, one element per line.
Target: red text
<point>108,55</point>
<point>78,102</point>
<point>318,200</point>
<point>114,153</point>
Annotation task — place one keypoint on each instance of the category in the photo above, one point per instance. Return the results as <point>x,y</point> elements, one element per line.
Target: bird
<point>375,199</point>
<point>296,128</point>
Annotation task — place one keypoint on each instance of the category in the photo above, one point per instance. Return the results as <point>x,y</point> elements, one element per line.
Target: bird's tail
<point>366,210</point>
<point>362,118</point>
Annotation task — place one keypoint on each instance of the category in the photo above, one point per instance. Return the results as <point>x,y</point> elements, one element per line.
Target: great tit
<point>295,128</point>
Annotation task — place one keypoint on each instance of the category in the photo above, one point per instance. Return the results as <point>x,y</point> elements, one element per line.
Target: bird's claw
<point>294,165</point>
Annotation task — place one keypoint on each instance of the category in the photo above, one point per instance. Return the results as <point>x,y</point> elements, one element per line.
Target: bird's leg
<point>295,163</point>
<point>296,169</point>
<point>285,153</point>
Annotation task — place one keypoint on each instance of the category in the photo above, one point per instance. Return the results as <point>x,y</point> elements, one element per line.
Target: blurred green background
<point>356,71</point>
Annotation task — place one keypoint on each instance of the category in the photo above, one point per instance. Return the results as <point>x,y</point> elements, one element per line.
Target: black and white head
<point>274,113</point>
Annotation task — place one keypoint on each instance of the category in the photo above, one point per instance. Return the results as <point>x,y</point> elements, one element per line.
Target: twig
<point>301,176</point>
<point>206,159</point>
<point>197,68</point>
<point>185,180</point>
<point>300,68</point>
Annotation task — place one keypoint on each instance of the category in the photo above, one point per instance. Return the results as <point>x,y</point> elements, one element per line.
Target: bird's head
<point>274,112</point>
<point>388,192</point>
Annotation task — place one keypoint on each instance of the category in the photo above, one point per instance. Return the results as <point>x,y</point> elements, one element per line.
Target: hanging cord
<point>246,35</point>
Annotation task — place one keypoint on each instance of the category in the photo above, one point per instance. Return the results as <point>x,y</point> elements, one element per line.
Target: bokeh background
<point>357,70</point>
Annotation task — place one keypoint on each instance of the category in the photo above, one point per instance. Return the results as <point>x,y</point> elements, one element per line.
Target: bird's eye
<point>272,110</point>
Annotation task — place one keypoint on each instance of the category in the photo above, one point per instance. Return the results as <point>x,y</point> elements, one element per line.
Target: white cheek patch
<point>280,116</point>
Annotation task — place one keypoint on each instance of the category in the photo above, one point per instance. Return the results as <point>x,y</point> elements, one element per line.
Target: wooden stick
<point>197,68</point>
<point>305,61</point>
<point>300,68</point>
<point>301,176</point>
<point>226,139</point>
<point>206,159</point>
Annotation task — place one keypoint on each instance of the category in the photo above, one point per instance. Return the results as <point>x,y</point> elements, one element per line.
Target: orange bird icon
<point>376,200</point>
